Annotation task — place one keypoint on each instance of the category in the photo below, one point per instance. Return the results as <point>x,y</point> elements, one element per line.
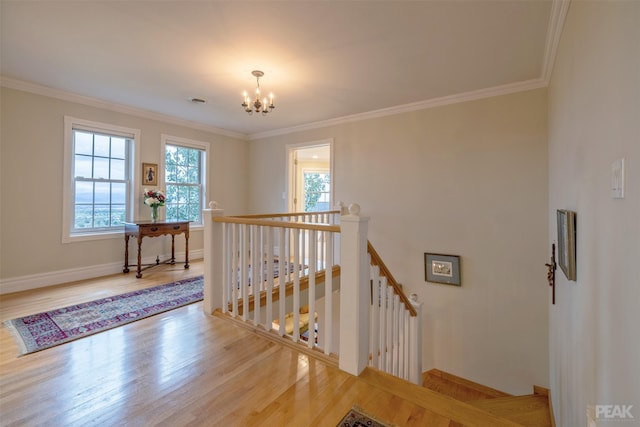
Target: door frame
<point>291,173</point>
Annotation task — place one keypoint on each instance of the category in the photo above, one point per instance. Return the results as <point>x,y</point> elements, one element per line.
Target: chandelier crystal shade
<point>263,106</point>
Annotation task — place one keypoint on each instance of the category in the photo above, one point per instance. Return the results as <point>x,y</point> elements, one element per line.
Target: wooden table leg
<point>173,253</point>
<point>126,254</point>
<point>186,250</point>
<point>139,275</point>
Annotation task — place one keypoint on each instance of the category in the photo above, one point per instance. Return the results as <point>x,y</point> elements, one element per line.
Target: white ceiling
<point>323,60</point>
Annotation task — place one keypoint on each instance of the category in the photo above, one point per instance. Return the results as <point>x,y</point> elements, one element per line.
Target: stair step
<point>527,410</point>
<point>457,387</point>
<point>460,413</point>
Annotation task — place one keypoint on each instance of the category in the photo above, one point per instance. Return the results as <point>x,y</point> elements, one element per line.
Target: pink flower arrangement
<point>154,197</point>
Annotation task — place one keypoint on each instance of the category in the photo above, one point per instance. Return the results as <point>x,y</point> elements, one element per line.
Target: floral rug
<point>357,418</point>
<point>43,330</point>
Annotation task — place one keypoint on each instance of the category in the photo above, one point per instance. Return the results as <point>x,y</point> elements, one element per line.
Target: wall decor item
<point>149,174</point>
<point>439,268</point>
<point>567,242</point>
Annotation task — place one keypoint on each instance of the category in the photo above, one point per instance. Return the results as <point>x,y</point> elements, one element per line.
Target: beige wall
<point>467,179</point>
<point>594,119</point>
<point>32,149</point>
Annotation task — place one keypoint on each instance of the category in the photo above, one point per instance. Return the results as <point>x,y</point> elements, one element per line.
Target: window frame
<point>204,173</point>
<point>68,206</point>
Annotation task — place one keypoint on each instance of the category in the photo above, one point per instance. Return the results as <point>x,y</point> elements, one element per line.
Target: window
<point>317,186</point>
<point>99,173</point>
<point>185,176</point>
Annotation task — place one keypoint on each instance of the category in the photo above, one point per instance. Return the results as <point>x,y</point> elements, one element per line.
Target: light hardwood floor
<point>186,368</point>
<point>179,368</point>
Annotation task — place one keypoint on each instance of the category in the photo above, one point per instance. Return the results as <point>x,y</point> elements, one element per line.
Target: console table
<point>141,229</point>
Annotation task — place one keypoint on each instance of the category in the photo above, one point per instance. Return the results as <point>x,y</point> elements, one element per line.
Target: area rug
<point>43,330</point>
<point>357,418</point>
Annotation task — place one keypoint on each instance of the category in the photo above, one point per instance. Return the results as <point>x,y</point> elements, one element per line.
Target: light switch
<point>617,179</point>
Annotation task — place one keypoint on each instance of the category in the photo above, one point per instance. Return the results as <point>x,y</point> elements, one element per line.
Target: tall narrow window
<point>98,196</point>
<point>185,178</point>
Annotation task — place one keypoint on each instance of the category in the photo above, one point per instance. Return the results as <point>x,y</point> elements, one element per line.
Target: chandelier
<point>257,105</point>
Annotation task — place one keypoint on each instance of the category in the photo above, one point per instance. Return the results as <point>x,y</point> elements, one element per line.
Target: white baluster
<point>284,254</point>
<point>296,285</point>
<point>269,243</point>
<point>312,289</point>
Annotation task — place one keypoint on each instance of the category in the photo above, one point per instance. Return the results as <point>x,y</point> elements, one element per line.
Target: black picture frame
<point>441,268</point>
<point>567,242</point>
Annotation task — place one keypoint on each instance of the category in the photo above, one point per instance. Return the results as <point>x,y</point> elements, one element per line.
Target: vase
<point>154,213</point>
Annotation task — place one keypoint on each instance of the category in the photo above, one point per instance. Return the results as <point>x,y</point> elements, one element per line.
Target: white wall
<point>467,179</point>
<point>594,119</point>
<point>31,203</point>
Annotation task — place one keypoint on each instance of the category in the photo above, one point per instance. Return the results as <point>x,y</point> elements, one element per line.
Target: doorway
<point>310,167</point>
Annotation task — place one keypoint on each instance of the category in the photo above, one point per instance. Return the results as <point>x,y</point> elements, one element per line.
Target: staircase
<point>528,410</point>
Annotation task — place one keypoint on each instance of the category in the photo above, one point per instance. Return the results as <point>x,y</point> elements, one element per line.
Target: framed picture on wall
<point>439,268</point>
<point>149,174</point>
<point>567,242</point>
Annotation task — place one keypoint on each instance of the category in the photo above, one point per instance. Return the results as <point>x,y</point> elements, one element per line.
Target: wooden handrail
<point>280,224</point>
<point>284,215</point>
<point>376,260</point>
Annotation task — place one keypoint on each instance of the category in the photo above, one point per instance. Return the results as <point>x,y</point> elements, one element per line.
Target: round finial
<point>413,298</point>
<point>354,209</point>
<point>213,205</point>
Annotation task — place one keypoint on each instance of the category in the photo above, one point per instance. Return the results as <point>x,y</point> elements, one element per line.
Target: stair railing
<point>395,343</point>
<point>264,269</point>
<point>271,271</point>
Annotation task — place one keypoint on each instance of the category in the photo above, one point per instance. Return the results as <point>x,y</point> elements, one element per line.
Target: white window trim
<point>190,143</point>
<point>71,123</point>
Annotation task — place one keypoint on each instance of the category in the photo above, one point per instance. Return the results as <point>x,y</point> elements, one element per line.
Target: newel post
<point>212,259</point>
<point>415,339</point>
<point>354,292</point>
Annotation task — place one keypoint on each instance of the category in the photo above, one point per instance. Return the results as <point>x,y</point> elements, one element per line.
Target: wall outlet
<point>617,179</point>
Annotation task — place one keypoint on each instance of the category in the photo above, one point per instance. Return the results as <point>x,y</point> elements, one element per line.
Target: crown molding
<point>559,10</point>
<point>421,105</point>
<point>111,106</point>
<point>557,18</point>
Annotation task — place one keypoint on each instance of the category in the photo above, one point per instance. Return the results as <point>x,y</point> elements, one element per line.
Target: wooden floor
<point>186,368</point>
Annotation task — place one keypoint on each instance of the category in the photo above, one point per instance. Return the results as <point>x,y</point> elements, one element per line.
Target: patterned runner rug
<point>43,330</point>
<point>356,417</point>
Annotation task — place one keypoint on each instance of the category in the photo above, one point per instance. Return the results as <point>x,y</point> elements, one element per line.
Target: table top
<point>150,222</point>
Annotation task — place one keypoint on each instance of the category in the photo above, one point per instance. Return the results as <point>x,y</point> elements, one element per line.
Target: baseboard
<point>42,280</point>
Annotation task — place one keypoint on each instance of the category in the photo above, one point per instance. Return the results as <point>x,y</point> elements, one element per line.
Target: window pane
<point>102,216</point>
<point>172,193</point>
<point>84,192</point>
<point>118,148</point>
<point>194,212</point>
<point>119,193</point>
<point>194,158</point>
<point>193,175</point>
<point>83,142</point>
<point>100,168</point>
<point>194,195</point>
<point>181,174</point>
<point>102,192</point>
<point>118,214</point>
<point>117,169</point>
<point>83,216</point>
<point>83,166</point>
<point>183,195</point>
<point>101,146</point>
<point>182,156</point>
